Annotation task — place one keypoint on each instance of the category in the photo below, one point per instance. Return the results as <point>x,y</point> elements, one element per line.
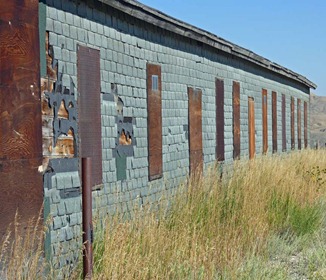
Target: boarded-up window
<point>219,87</point>
<point>236,120</point>
<point>292,124</point>
<point>299,123</point>
<point>195,130</point>
<point>283,124</point>
<point>265,126</point>
<point>154,121</point>
<point>251,127</point>
<point>89,87</point>
<point>305,112</point>
<point>274,120</point>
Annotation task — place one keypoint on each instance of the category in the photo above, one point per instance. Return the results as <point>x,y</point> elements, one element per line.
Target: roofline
<point>157,18</point>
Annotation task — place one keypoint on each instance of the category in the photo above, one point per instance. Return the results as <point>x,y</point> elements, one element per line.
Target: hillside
<point>318,120</point>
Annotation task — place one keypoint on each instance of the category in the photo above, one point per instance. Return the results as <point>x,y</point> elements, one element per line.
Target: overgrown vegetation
<point>265,219</point>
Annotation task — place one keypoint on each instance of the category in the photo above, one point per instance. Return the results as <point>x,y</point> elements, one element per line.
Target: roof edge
<point>157,18</point>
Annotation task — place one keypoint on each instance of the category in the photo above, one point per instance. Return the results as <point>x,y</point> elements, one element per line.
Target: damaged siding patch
<point>59,115</point>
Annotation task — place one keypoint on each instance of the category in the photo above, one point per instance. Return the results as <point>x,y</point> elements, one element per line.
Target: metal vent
<point>89,82</point>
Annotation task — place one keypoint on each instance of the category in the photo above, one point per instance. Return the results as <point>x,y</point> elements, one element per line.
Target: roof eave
<point>157,18</point>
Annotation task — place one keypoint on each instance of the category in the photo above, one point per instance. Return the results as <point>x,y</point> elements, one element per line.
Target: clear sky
<point>291,33</point>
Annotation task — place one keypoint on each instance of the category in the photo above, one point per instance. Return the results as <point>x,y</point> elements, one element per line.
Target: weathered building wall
<point>126,47</point>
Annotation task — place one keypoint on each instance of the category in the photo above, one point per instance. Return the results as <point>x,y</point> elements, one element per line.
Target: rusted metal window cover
<point>21,184</point>
<point>299,123</point>
<point>292,124</point>
<point>219,87</point>
<point>236,120</point>
<point>251,129</point>
<point>265,126</point>
<point>195,130</point>
<point>89,82</point>
<point>283,123</point>
<point>274,120</point>
<point>154,107</point>
<point>305,124</point>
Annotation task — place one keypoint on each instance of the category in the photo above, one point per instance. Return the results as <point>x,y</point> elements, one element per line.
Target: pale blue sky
<point>291,33</point>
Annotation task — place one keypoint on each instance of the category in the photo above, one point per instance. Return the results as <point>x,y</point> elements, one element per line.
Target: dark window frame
<point>219,107</point>
<point>274,121</point>
<point>236,120</point>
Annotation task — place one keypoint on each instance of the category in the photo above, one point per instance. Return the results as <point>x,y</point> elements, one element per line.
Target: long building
<point>149,98</point>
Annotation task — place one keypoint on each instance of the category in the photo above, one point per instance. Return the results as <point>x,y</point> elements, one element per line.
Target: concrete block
<point>73,32</point>
<point>70,44</point>
<point>75,180</point>
<point>81,34</point>
<point>62,181</point>
<point>104,42</point>
<point>61,208</point>
<point>69,233</point>
<point>71,205</point>
<point>73,58</point>
<point>53,210</point>
<point>61,223</point>
<point>73,219</point>
<point>61,41</point>
<point>65,55</point>
<point>69,18</point>
<point>93,26</point>
<point>65,29</point>
<point>55,196</point>
<point>91,37</point>
<point>49,24</point>
<point>57,27</point>
<point>52,13</point>
<point>98,40</point>
<point>100,28</point>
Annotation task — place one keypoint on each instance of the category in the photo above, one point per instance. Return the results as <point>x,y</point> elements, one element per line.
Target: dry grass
<point>218,225</point>
<point>215,229</point>
<point>21,251</point>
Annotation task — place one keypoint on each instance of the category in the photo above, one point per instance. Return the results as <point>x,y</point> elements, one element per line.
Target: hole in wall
<point>119,106</point>
<point>125,138</point>
<point>63,113</point>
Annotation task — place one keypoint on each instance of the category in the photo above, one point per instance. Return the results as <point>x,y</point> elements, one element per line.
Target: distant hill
<point>317,120</point>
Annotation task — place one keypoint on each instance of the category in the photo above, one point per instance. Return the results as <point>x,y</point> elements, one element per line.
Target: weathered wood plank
<point>195,130</point>
<point>299,123</point>
<point>265,125</point>
<point>274,121</point>
<point>20,112</point>
<point>283,123</point>
<point>154,109</point>
<point>251,129</point>
<point>292,124</point>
